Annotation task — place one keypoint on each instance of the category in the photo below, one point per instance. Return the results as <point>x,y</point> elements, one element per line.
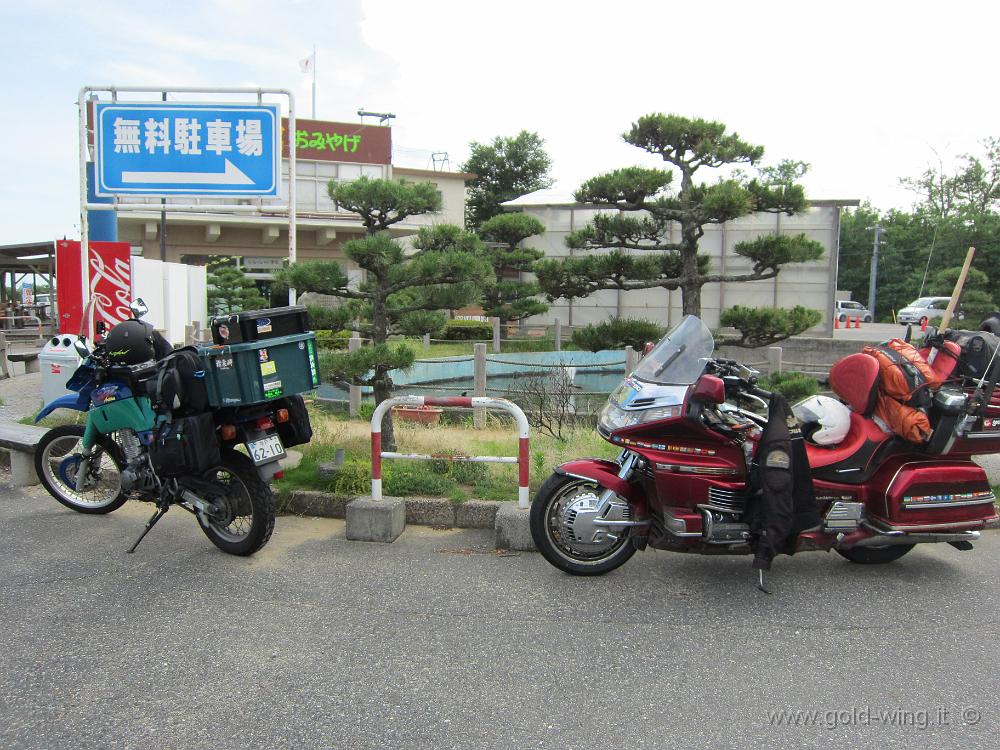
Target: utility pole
<point>873,276</point>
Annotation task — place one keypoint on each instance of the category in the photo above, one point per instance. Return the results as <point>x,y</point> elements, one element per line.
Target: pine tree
<point>402,292</point>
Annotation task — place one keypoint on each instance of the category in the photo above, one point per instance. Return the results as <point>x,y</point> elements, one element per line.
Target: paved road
<point>875,332</point>
<point>437,642</point>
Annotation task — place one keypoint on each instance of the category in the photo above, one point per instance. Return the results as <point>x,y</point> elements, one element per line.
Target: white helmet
<point>825,421</point>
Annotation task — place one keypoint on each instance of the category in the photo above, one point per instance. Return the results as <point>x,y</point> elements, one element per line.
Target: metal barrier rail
<point>485,402</point>
<point>21,317</point>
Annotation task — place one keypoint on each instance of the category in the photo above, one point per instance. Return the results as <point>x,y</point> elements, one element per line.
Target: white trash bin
<point>58,361</point>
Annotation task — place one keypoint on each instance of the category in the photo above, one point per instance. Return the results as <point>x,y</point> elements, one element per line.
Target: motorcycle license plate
<point>266,449</point>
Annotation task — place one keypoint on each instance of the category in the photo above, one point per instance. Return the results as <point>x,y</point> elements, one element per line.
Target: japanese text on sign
<point>327,141</point>
<point>186,136</point>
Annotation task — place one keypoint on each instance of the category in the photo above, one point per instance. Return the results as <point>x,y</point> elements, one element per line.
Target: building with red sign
<point>325,151</point>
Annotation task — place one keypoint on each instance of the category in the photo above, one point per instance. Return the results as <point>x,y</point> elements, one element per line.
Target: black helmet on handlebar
<point>130,343</point>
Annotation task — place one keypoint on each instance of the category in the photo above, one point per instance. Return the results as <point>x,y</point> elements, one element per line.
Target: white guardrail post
<point>467,402</point>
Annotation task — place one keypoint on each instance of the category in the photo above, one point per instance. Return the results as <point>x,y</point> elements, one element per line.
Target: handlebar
<point>740,379</point>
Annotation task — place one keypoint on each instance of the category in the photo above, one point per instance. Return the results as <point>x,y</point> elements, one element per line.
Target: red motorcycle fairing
<point>604,473</point>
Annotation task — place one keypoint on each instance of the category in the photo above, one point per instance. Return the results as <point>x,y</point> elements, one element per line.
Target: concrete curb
<point>375,520</point>
<point>512,530</point>
<point>425,511</point>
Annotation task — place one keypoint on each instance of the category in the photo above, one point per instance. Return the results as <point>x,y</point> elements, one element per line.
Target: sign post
<point>169,149</point>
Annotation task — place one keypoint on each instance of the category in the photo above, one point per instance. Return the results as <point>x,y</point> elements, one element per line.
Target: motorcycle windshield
<point>680,357</point>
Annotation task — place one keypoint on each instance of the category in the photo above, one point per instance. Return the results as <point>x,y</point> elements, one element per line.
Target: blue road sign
<point>166,149</point>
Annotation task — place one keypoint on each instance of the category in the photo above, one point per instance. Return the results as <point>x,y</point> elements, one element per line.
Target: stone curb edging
<point>509,522</point>
<point>422,511</point>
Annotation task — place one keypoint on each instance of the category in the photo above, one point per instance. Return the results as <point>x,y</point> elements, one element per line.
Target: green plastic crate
<point>254,372</point>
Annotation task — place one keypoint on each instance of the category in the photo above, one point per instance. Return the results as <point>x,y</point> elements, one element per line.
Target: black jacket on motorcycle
<point>783,503</point>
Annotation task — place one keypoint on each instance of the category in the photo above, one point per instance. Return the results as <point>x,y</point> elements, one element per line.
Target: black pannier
<point>978,350</point>
<point>179,385</point>
<point>297,430</point>
<point>185,446</point>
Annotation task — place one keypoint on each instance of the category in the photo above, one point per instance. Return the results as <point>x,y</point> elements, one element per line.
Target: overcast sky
<point>866,92</point>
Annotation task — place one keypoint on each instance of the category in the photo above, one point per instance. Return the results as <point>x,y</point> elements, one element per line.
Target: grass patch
<point>57,418</point>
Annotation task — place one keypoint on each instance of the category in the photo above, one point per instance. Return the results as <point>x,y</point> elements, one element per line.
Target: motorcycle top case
<point>255,372</point>
<point>255,325</point>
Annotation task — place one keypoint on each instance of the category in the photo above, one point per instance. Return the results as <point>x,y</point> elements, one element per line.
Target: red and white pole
<point>467,402</point>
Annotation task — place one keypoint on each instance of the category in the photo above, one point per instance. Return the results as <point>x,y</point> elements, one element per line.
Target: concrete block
<point>375,520</point>
<point>477,514</point>
<point>511,527</point>
<point>22,469</point>
<point>315,503</point>
<point>291,460</point>
<point>430,511</point>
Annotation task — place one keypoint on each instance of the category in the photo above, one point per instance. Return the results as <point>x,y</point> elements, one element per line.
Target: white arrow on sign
<point>231,176</point>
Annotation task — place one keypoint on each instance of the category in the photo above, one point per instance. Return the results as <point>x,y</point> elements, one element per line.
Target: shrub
<point>467,330</point>
<point>763,326</point>
<point>414,479</point>
<point>332,339</point>
<point>468,472</point>
<point>792,385</point>
<point>366,410</point>
<point>353,478</point>
<point>617,333</point>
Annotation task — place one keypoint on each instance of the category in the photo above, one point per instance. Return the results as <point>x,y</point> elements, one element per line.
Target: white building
<point>812,284</point>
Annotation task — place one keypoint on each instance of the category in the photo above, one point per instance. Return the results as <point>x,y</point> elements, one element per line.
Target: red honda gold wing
<point>686,471</point>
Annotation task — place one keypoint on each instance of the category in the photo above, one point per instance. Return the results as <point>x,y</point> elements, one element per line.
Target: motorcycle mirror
<point>81,347</point>
<point>138,308</point>
<point>101,327</point>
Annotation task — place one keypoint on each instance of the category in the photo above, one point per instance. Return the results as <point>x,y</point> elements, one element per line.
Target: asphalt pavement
<point>876,332</point>
<point>437,641</point>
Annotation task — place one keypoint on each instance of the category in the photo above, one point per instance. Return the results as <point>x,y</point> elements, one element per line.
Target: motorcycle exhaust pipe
<point>885,540</point>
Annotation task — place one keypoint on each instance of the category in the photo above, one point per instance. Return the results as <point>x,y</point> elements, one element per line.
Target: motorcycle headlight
<point>613,417</point>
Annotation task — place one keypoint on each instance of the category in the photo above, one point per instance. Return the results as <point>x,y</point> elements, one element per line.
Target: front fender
<point>76,401</point>
<point>604,473</point>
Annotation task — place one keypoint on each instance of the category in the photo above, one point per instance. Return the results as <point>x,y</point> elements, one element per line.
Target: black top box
<point>254,325</point>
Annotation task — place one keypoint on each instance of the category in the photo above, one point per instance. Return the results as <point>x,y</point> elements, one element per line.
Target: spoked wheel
<point>876,555</point>
<point>57,462</point>
<point>563,529</point>
<point>245,518</point>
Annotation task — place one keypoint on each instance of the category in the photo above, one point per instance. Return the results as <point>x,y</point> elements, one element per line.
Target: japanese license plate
<point>266,449</point>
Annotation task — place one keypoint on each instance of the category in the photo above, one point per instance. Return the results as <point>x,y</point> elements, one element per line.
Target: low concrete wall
<point>425,511</point>
<point>809,354</point>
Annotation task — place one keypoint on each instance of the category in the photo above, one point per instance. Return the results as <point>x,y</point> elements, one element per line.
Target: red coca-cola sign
<point>109,285</point>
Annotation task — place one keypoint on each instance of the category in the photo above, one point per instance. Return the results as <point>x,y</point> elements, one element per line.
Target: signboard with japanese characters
<point>320,140</point>
<point>167,149</point>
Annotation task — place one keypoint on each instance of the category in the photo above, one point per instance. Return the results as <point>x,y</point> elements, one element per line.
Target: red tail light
<point>264,423</point>
<point>278,475</point>
<point>228,432</point>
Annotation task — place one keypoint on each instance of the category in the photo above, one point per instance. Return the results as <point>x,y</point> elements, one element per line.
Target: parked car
<point>845,309</point>
<point>926,309</point>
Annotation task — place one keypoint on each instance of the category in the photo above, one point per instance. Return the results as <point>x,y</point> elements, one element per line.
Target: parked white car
<point>926,308</point>
<point>845,308</point>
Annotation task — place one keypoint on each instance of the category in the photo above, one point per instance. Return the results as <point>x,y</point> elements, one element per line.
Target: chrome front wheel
<point>574,532</point>
<point>58,458</point>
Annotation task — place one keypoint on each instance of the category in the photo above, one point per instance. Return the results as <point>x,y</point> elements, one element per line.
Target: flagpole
<point>314,82</point>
